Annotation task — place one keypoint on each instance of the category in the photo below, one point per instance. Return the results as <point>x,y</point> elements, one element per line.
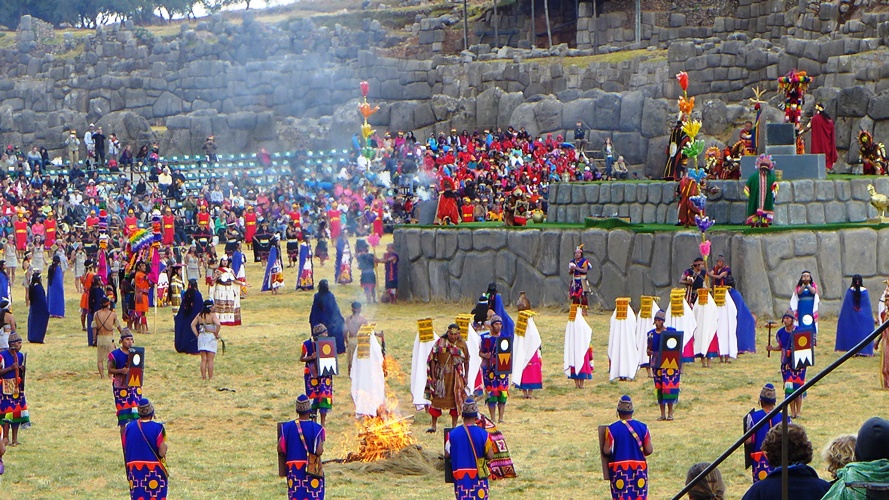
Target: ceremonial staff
<point>770,324</point>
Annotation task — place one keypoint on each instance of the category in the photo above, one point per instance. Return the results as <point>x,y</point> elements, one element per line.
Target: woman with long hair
<point>804,304</point>
<point>856,319</point>
<point>206,327</point>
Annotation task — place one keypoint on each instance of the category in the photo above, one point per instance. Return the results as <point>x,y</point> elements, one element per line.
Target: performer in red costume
<point>21,232</point>
<point>50,227</point>
<point>168,225</point>
<point>203,218</point>
<point>466,210</point>
<point>130,223</point>
<point>249,225</point>
<point>447,204</point>
<point>823,136</point>
<point>333,222</point>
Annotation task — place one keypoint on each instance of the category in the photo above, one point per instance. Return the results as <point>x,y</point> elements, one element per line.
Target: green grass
<point>222,443</point>
<point>610,58</point>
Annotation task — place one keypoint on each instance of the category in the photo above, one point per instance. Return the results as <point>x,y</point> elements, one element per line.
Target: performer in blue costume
<point>767,399</point>
<point>298,439</point>
<point>94,302</point>
<point>5,291</point>
<point>145,450</point>
<point>746,323</point>
<point>192,304</point>
<point>465,445</point>
<point>325,311</point>
<point>56,293</point>
<point>305,274</point>
<point>627,443</point>
<point>272,268</point>
<point>856,319</point>
<point>38,314</point>
<point>804,303</point>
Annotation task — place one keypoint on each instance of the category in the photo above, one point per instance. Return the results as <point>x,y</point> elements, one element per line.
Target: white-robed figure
<point>473,344</point>
<point>623,351</point>
<point>368,381</point>
<point>680,317</point>
<point>726,324</point>
<point>706,322</point>
<point>644,324</point>
<point>423,344</point>
<point>525,344</point>
<point>578,358</point>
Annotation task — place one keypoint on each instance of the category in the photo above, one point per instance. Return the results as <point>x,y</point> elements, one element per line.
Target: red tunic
<point>168,229</point>
<point>249,226</point>
<point>21,234</point>
<point>333,219</point>
<point>467,212</point>
<point>131,225</point>
<point>204,220</point>
<point>50,228</point>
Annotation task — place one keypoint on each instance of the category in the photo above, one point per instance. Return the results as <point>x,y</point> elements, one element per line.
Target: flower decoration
<point>699,201</point>
<point>365,110</point>
<point>693,150</point>
<point>365,88</point>
<point>366,131</point>
<point>704,223</point>
<point>705,248</point>
<point>686,106</point>
<point>692,127</point>
<point>682,76</point>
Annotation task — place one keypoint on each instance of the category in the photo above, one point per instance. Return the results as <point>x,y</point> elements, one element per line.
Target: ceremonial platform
<point>835,200</point>
<point>458,262</point>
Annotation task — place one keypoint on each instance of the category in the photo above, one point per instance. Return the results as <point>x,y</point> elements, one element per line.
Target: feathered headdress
<point>766,161</point>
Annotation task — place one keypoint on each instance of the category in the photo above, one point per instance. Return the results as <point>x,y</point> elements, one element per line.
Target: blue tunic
<point>326,311</point>
<point>467,484</point>
<point>299,484</point>
<point>56,294</point>
<point>854,324</point>
<point>183,338</point>
<point>746,323</point>
<point>628,469</point>
<point>38,314</point>
<point>146,474</point>
<point>761,467</point>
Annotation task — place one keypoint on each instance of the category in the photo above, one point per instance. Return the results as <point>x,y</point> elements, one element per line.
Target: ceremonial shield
<point>522,208</point>
<point>621,304</point>
<point>448,470</point>
<point>803,353</point>
<point>606,474</point>
<point>202,242</point>
<point>677,302</point>
<point>326,360</point>
<point>424,329</point>
<point>282,457</point>
<point>670,350</point>
<point>646,303</point>
<point>719,295</point>
<point>364,333</point>
<point>231,246</point>
<point>748,447</point>
<point>522,323</point>
<point>463,321</point>
<point>703,296</point>
<point>91,250</point>
<point>136,364</point>
<point>503,351</point>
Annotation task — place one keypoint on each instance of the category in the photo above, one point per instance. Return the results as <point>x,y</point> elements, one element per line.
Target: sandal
<point>661,418</point>
<point>430,431</point>
<point>670,417</point>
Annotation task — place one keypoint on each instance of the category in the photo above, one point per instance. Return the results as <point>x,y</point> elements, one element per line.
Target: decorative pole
<point>366,111</point>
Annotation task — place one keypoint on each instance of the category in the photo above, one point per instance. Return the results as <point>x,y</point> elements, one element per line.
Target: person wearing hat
<point>761,188</point>
<point>578,269</point>
<point>626,444</point>
<point>666,380</point>
<point>793,379</point>
<point>249,225</point>
<point>767,398</point>
<point>72,143</point>
<point>126,398</point>
<point>86,282</point>
<point>13,405</point>
<point>447,375</point>
<point>496,384</point>
<point>803,481</point>
<point>871,464</point>
<point>142,286</point>
<point>318,388</point>
<point>468,446</point>
<point>206,327</point>
<point>298,439</point>
<point>104,323</point>
<point>145,452</point>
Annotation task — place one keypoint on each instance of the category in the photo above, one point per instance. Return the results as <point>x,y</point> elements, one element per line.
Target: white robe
<point>623,350</point>
<point>727,328</point>
<point>643,326</point>
<point>368,381</point>
<point>706,321</point>
<point>578,336</point>
<point>524,347</point>
<point>418,371</point>
<point>685,323</point>
<point>474,377</point>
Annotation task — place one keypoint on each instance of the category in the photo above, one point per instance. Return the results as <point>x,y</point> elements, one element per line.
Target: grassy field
<point>222,443</point>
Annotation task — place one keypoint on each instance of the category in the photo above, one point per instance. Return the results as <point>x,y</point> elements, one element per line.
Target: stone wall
<point>797,202</point>
<point>456,264</point>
